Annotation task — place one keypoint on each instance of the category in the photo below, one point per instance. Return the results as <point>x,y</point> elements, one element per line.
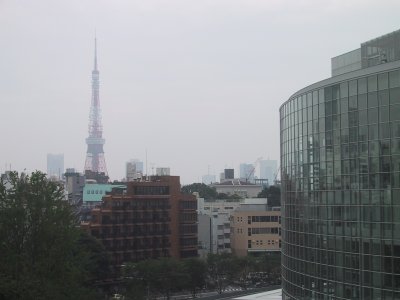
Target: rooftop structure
<point>93,193</point>
<point>238,187</point>
<point>375,52</point>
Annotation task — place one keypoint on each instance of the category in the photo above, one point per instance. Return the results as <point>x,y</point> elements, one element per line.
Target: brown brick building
<point>148,219</point>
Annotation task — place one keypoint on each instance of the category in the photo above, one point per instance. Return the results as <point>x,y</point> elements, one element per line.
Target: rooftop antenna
<point>95,49</point>
<point>147,173</point>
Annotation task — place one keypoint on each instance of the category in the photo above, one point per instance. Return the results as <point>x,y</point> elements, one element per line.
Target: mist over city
<point>193,83</point>
<point>214,149</point>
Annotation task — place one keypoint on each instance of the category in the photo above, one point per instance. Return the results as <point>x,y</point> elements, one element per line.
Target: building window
<point>249,244</point>
<point>151,190</point>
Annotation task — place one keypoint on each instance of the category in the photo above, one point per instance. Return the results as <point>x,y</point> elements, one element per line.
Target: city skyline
<point>227,63</point>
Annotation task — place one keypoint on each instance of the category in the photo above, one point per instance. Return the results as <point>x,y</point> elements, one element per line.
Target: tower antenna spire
<point>95,161</point>
<point>95,50</point>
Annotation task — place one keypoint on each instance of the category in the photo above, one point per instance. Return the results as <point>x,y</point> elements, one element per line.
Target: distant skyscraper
<point>208,179</point>
<point>247,172</point>
<point>268,169</point>
<point>95,161</point>
<point>229,173</point>
<point>163,171</point>
<point>134,169</point>
<point>55,165</point>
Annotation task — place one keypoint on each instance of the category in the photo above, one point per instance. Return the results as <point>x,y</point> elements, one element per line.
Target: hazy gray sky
<point>196,83</point>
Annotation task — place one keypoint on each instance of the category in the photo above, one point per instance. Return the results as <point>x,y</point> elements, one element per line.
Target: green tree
<point>206,192</point>
<point>271,263</point>
<point>273,194</point>
<point>195,270</point>
<point>246,265</point>
<point>169,277</point>
<point>139,279</point>
<point>41,257</point>
<point>95,258</point>
<point>163,276</point>
<point>223,269</point>
<point>229,198</point>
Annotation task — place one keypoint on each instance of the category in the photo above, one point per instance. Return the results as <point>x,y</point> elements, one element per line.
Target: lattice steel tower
<point>95,154</point>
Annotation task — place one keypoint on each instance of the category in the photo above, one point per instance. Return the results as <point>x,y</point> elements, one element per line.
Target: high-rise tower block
<point>95,161</point>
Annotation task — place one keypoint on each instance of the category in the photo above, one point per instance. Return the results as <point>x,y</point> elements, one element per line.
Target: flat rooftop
<point>270,295</point>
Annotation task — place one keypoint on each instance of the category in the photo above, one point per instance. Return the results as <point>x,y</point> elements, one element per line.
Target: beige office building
<point>255,229</point>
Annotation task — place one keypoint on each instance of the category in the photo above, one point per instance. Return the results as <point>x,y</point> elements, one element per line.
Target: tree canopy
<point>206,192</point>
<point>153,278</point>
<point>43,252</point>
<point>273,194</point>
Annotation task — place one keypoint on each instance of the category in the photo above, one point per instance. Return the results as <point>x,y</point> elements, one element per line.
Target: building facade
<point>214,225</point>
<point>215,230</point>
<point>93,193</point>
<point>340,173</point>
<point>74,183</point>
<point>150,218</point>
<point>255,229</point>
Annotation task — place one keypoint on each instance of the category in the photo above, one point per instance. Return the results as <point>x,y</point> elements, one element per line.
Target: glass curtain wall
<point>340,164</point>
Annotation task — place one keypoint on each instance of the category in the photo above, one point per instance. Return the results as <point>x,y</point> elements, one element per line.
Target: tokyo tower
<point>95,161</point>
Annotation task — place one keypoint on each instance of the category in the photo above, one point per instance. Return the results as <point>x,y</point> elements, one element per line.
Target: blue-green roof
<point>95,191</point>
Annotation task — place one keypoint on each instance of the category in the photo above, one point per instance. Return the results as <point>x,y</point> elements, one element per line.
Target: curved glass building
<point>340,172</point>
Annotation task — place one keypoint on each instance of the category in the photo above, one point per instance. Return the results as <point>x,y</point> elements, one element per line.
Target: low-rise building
<point>74,183</point>
<point>149,218</point>
<point>255,228</point>
<point>214,225</point>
